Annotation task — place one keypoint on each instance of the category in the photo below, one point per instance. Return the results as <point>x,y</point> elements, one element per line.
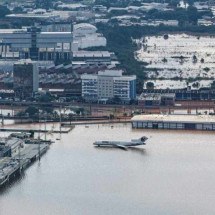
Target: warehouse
<point>182,122</point>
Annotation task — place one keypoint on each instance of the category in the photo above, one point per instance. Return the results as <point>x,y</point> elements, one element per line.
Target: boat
<point>122,144</point>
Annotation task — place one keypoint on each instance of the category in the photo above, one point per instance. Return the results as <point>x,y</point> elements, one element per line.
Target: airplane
<point>122,144</point>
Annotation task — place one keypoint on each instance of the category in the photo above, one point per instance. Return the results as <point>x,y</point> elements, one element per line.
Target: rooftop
<point>175,118</point>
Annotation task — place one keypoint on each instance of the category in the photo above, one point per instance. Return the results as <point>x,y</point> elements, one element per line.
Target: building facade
<point>85,36</point>
<point>156,99</point>
<point>179,122</point>
<point>34,44</point>
<point>25,78</point>
<point>108,84</point>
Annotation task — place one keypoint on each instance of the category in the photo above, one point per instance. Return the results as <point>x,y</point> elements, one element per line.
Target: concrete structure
<point>156,99</point>
<point>107,85</point>
<point>26,78</point>
<point>98,57</point>
<point>34,44</point>
<point>56,27</point>
<point>202,94</point>
<point>85,35</point>
<point>9,146</point>
<point>181,122</point>
<point>73,7</point>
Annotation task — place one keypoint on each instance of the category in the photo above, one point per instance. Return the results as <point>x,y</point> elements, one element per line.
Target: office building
<point>108,84</point>
<point>26,78</point>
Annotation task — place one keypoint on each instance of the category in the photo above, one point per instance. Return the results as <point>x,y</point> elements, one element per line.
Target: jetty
<point>16,156</point>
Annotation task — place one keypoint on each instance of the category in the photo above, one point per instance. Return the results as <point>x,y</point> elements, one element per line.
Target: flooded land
<point>172,174</point>
<point>179,60</point>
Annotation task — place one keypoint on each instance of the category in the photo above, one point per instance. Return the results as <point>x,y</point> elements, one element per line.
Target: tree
<point>182,20</point>
<point>173,3</point>
<point>150,85</point>
<point>45,4</point>
<point>32,111</point>
<point>17,10</point>
<point>4,11</point>
<point>46,98</point>
<point>192,15</point>
<point>202,60</point>
<point>116,100</point>
<point>190,2</point>
<point>213,85</point>
<point>194,59</point>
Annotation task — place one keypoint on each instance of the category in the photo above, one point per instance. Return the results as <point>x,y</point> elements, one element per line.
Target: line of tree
<point>189,15</point>
<point>4,11</point>
<point>119,40</point>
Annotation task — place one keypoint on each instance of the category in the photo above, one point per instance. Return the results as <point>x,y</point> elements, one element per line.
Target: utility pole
<point>60,119</point>
<point>45,125</point>
<point>19,158</point>
<point>39,135</point>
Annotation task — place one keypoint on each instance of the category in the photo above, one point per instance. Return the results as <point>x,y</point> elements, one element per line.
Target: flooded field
<point>185,60</point>
<point>172,174</point>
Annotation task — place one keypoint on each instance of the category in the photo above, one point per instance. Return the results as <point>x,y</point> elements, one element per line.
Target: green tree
<point>150,85</point>
<point>4,11</point>
<point>45,4</point>
<point>192,15</point>
<point>17,10</point>
<point>32,111</point>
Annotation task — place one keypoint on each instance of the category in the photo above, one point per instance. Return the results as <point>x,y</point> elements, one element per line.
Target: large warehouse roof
<point>174,118</point>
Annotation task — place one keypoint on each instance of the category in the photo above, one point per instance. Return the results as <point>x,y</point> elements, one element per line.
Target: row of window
<point>173,125</point>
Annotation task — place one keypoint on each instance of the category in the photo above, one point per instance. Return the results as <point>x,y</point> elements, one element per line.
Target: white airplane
<point>122,144</point>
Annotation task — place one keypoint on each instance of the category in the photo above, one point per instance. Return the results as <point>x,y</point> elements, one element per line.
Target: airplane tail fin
<point>143,139</point>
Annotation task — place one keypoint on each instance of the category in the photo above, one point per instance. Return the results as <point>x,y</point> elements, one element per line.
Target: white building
<point>85,36</point>
<point>180,122</point>
<point>107,85</point>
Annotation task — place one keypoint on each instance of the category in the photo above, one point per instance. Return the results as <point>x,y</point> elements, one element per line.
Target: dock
<point>95,122</point>
<point>36,130</point>
<point>10,167</point>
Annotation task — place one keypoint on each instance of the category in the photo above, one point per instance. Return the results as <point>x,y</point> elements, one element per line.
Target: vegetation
<point>119,40</point>
<point>45,4</point>
<point>185,16</point>
<point>3,11</point>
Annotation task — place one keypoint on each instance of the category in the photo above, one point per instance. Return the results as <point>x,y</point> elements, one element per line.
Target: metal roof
<point>174,118</point>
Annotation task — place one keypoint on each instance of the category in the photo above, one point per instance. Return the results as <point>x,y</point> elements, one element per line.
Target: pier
<point>36,130</point>
<point>10,167</point>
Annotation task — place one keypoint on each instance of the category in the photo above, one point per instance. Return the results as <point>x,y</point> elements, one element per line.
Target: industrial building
<point>93,57</point>
<point>9,146</point>
<point>108,84</point>
<point>156,99</point>
<point>34,44</point>
<point>186,94</point>
<point>26,78</point>
<point>179,122</point>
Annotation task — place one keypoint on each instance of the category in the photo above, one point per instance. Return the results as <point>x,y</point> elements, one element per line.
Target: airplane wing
<point>121,147</point>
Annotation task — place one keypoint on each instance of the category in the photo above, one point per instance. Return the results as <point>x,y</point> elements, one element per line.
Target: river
<point>173,174</point>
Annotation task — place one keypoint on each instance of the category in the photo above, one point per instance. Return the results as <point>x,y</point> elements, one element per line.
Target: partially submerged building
<point>156,99</point>
<point>179,122</point>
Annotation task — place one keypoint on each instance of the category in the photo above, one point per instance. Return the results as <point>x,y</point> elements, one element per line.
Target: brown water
<point>173,174</point>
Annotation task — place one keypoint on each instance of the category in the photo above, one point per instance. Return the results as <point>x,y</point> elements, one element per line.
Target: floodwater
<point>173,174</point>
<point>172,59</point>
